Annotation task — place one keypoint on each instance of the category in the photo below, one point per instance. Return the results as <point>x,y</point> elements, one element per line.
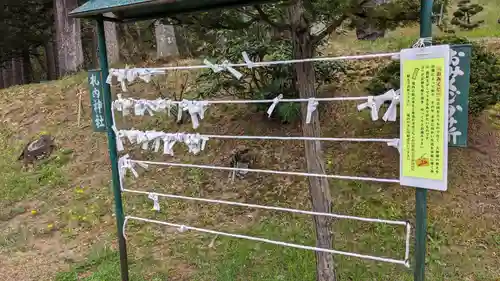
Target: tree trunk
<point>94,49</point>
<point>111,41</point>
<point>68,37</point>
<point>166,43</point>
<point>318,187</point>
<point>50,56</point>
<point>2,85</point>
<point>5,75</point>
<point>16,71</point>
<point>27,69</point>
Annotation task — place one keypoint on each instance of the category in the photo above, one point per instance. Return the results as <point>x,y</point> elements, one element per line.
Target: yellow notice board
<point>424,111</point>
<point>423,123</point>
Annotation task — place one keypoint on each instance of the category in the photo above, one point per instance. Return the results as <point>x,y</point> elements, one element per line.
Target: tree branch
<point>329,29</point>
<point>265,18</point>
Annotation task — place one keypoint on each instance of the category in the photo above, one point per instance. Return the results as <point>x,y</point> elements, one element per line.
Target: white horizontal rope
<point>258,239</point>
<point>393,222</point>
<point>269,100</point>
<point>297,138</point>
<point>264,171</point>
<point>280,62</point>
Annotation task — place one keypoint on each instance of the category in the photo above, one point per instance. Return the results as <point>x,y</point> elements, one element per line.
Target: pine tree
<point>462,17</point>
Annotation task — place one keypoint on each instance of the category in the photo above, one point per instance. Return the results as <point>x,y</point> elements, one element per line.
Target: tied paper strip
<point>246,58</point>
<point>196,109</point>
<point>131,74</point>
<point>226,65</point>
<point>124,165</point>
<point>392,111</point>
<point>276,100</point>
<point>312,105</point>
<point>156,203</point>
<point>141,106</point>
<point>169,140</point>
<point>372,104</point>
<point>195,143</point>
<point>395,143</point>
<point>422,42</point>
<point>156,138</point>
<point>123,105</point>
<point>375,102</point>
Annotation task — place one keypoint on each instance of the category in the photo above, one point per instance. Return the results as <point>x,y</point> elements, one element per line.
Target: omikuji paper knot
<point>131,74</point>
<point>125,164</point>
<point>370,103</point>
<point>156,203</point>
<point>141,106</point>
<point>155,137</point>
<point>246,58</point>
<point>123,104</point>
<point>421,42</point>
<point>169,140</point>
<point>120,76</point>
<point>392,111</point>
<point>375,102</point>
<point>312,105</point>
<point>183,229</point>
<point>226,65</point>
<point>276,100</point>
<point>195,142</point>
<point>395,143</point>
<point>196,109</point>
<point>118,136</point>
<point>162,105</point>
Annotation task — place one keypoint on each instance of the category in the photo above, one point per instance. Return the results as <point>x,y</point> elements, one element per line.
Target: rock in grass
<point>38,149</point>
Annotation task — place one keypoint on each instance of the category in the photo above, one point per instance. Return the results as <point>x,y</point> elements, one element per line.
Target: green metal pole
<point>420,193</point>
<point>113,154</point>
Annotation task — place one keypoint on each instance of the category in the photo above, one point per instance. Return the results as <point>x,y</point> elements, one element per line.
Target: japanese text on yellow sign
<point>423,118</point>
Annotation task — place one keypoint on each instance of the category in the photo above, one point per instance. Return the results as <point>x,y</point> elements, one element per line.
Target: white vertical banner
<point>424,117</point>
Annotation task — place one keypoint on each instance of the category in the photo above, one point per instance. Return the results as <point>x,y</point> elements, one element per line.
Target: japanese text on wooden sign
<point>459,94</point>
<point>424,117</point>
<point>96,100</point>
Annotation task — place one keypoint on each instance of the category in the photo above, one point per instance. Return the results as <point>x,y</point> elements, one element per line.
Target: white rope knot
<point>276,100</point>
<point>156,203</point>
<point>248,61</point>
<point>125,164</point>
<point>392,112</point>
<point>226,65</point>
<point>422,42</point>
<point>312,105</point>
<point>396,143</point>
<point>196,109</point>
